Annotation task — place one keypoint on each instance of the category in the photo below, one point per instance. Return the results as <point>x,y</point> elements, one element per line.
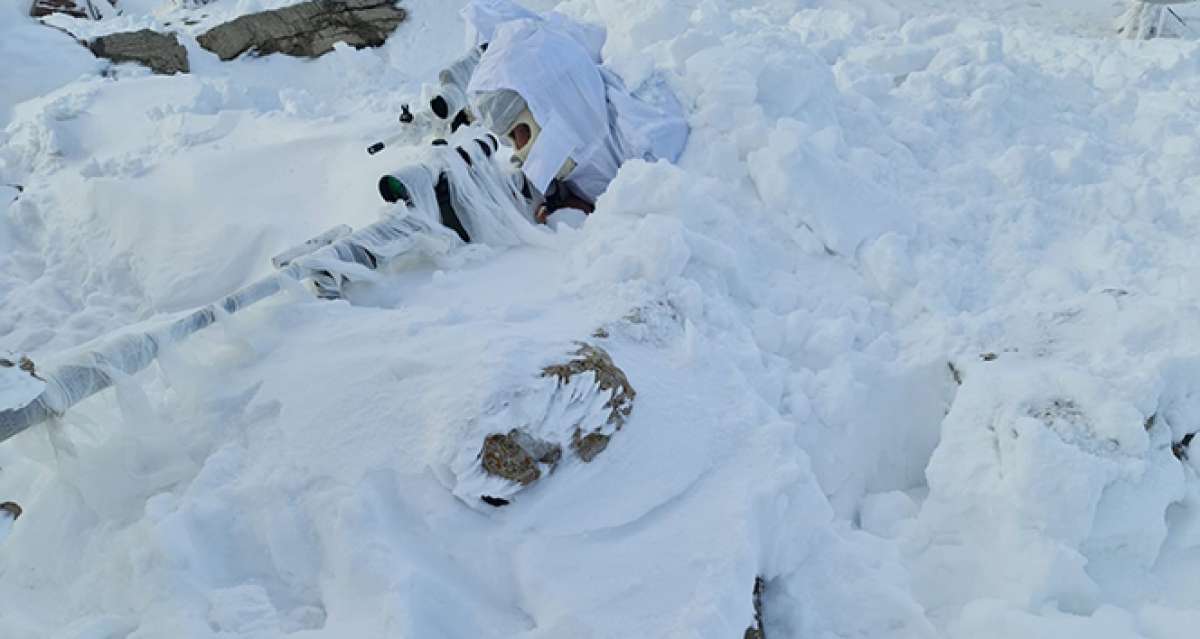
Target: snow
<point>6,524</point>
<point>17,386</point>
<point>911,325</point>
<point>36,60</point>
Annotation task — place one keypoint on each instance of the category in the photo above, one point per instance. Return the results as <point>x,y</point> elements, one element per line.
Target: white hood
<point>483,16</point>
<point>561,83</point>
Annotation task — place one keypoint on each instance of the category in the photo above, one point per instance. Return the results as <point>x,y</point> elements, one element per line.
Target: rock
<point>516,456</point>
<point>575,407</point>
<point>22,362</point>
<point>1180,448</point>
<point>73,8</point>
<point>501,456</point>
<point>588,446</point>
<point>306,30</point>
<point>610,378</point>
<point>756,631</point>
<point>20,383</point>
<point>656,322</point>
<point>159,51</point>
<point>11,510</point>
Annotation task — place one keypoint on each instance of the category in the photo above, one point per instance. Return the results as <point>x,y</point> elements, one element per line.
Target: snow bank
<point>36,60</point>
<point>909,325</point>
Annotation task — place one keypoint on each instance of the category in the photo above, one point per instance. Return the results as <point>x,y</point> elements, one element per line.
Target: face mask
<point>522,142</point>
<point>529,137</point>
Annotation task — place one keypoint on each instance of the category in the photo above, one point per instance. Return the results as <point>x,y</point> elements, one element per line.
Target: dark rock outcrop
<point>1180,448</point>
<point>14,511</point>
<point>306,30</point>
<point>73,8</point>
<point>159,51</point>
<point>756,631</point>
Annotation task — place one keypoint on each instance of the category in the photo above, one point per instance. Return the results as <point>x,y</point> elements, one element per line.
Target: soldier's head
<point>505,113</point>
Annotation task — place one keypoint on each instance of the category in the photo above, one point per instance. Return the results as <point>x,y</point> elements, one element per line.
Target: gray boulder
<point>306,30</point>
<point>159,51</point>
<point>73,8</point>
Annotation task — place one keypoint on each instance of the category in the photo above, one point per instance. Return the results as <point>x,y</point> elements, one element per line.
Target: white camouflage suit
<point>584,110</point>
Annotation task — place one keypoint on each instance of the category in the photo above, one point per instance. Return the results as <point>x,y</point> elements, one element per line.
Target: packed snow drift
<point>903,346</point>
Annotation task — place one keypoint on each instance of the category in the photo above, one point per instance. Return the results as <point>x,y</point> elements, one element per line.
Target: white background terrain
<point>912,323</point>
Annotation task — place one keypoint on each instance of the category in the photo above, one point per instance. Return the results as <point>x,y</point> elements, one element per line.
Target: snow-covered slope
<point>912,327</point>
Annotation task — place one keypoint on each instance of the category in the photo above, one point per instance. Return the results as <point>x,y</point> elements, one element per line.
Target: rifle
<point>446,107</point>
<point>427,194</point>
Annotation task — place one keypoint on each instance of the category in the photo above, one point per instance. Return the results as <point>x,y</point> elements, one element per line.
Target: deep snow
<point>912,326</point>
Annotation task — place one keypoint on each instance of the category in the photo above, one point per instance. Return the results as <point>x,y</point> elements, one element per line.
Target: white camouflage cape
<point>584,109</point>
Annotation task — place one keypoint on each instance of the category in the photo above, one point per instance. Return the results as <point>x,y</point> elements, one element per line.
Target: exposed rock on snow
<point>608,378</point>
<point>9,513</point>
<point>159,51</point>
<point>589,401</point>
<point>756,631</point>
<point>1180,448</point>
<point>80,9</point>
<point>19,381</point>
<point>516,456</point>
<point>588,446</point>
<point>592,359</point>
<point>11,510</point>
<point>23,363</point>
<point>306,30</point>
<point>655,322</point>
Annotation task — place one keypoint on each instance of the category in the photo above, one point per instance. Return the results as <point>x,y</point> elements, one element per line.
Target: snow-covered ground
<point>913,327</point>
